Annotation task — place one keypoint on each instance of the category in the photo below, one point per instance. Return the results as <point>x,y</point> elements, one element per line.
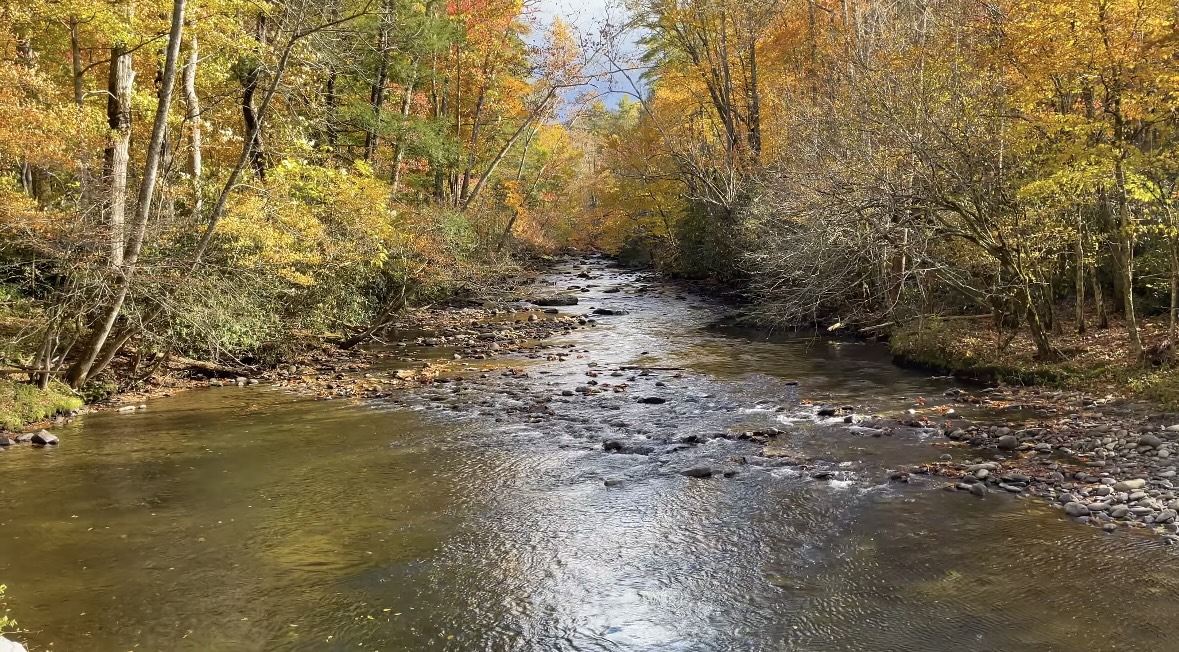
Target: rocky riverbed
<point>1101,460</point>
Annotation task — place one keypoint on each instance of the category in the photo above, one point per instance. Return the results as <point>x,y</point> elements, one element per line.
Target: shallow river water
<point>469,516</point>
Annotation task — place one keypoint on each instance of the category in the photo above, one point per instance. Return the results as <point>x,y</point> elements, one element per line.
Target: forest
<point>989,183</point>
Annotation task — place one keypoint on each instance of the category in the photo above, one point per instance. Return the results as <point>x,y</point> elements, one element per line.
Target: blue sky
<point>587,16</point>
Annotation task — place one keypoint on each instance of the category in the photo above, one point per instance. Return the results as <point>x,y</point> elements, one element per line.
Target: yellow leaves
<point>311,222</point>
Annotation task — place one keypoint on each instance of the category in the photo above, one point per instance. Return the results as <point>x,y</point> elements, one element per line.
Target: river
<point>475,515</point>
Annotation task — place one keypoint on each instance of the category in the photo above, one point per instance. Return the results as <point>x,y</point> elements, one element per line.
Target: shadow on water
<point>474,516</point>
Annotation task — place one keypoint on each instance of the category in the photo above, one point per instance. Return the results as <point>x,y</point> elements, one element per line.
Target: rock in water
<point>44,438</point>
<point>1008,442</point>
<point>612,483</point>
<point>978,489</point>
<point>697,472</point>
<point>11,646</point>
<point>653,400</point>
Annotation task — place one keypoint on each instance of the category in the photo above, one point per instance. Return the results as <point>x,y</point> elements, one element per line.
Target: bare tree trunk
<point>1079,255</point>
<point>80,371</point>
<point>399,149</point>
<point>193,117</point>
<point>76,62</point>
<point>118,115</point>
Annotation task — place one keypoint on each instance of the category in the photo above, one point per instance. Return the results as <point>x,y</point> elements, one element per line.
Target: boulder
<point>1008,442</point>
<point>697,472</point>
<point>44,438</point>
<point>1150,440</point>
<point>653,400</point>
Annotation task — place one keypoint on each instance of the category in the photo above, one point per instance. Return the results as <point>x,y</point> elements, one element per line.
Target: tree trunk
<point>377,92</point>
<point>1173,317</point>
<point>118,155</point>
<point>193,117</point>
<point>76,62</point>
<point>754,103</point>
<point>464,189</point>
<point>249,82</point>
<point>80,371</point>
<point>1079,256</point>
<point>441,111</point>
<point>1124,253</point>
<point>1099,297</point>
<point>399,150</point>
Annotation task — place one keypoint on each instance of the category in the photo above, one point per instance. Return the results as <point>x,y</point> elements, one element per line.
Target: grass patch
<point>1160,386</point>
<point>23,403</point>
